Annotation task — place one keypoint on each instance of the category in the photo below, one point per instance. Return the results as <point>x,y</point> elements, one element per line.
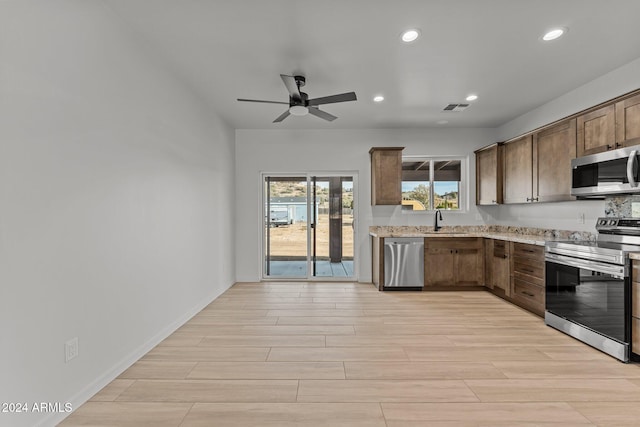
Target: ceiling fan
<point>299,102</point>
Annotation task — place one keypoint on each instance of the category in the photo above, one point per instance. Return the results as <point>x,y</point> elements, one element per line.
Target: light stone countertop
<point>532,236</point>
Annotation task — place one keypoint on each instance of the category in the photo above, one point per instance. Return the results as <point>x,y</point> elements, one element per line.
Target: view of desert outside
<point>290,241</point>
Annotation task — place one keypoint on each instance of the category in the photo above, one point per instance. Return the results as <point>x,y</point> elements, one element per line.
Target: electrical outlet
<point>581,218</point>
<point>71,349</point>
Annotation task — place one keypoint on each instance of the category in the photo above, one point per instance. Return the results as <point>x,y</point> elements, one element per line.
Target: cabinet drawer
<point>526,271</point>
<point>453,243</point>
<point>524,250</point>
<point>528,294</point>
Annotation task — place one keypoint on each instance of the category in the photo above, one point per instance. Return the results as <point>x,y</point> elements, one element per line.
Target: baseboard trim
<point>94,387</point>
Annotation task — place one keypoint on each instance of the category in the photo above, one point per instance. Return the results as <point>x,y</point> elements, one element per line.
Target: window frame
<point>463,191</point>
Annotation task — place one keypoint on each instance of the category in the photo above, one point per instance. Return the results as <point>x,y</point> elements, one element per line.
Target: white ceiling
<point>228,49</point>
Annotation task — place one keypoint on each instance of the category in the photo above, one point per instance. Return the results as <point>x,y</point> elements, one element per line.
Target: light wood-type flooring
<point>344,354</point>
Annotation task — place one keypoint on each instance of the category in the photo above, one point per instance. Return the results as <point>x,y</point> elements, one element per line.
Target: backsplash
<point>622,206</point>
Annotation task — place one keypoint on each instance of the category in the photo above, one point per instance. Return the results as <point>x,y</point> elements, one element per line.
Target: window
<point>430,183</point>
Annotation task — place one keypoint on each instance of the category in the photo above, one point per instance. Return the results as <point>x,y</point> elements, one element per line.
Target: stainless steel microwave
<point>610,172</point>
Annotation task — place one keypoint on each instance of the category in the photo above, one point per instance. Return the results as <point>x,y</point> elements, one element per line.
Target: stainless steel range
<point>588,286</point>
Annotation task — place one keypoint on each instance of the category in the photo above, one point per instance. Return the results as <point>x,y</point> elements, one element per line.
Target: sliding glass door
<point>309,227</point>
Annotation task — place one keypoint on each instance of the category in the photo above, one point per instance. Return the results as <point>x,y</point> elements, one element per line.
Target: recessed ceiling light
<point>471,97</point>
<point>410,35</point>
<point>378,98</point>
<point>554,34</point>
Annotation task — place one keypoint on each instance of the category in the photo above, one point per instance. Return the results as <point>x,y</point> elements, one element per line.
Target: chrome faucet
<point>436,227</point>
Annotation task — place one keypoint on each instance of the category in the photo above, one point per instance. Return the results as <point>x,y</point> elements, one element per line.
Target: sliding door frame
<point>311,216</point>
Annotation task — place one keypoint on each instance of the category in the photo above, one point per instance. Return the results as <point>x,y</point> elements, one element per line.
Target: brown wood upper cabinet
<point>628,121</point>
<point>612,126</point>
<point>597,131</point>
<point>386,175</point>
<point>537,167</point>
<point>553,149</point>
<point>517,177</point>
<point>489,175</point>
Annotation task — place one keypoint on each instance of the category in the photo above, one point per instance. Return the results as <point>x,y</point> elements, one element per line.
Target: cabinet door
<point>553,150</point>
<point>468,267</point>
<point>518,171</point>
<point>386,175</point>
<point>488,263</point>
<point>500,266</point>
<point>489,175</point>
<point>628,122</point>
<point>438,267</point>
<point>596,131</point>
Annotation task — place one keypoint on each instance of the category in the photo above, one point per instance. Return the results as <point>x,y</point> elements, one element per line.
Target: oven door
<point>591,295</point>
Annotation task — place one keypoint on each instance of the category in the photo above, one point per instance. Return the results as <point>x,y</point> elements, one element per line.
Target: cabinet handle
<point>494,201</point>
<point>618,144</point>
<point>609,146</point>
<point>528,294</point>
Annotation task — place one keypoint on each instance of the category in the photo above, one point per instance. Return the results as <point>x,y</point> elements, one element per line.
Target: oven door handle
<point>619,271</point>
<point>631,165</point>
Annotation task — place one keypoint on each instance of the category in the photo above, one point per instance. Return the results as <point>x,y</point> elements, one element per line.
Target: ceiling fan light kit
<point>298,110</point>
<point>299,102</point>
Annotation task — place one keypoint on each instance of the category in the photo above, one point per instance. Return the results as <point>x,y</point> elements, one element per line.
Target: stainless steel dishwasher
<point>403,263</point>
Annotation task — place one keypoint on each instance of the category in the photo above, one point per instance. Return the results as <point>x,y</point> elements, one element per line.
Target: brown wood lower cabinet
<point>527,278</point>
<point>497,272</point>
<point>453,261</point>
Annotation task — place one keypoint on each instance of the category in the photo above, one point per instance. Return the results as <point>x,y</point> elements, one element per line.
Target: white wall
<point>563,215</point>
<point>279,151</point>
<point>116,188</point>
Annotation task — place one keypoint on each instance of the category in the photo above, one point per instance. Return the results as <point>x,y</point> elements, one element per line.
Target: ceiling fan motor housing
<point>304,100</point>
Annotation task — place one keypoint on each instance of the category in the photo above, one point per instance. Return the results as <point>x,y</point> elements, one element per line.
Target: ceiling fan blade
<point>292,87</point>
<point>282,116</point>
<point>266,102</point>
<point>343,97</point>
<point>322,114</point>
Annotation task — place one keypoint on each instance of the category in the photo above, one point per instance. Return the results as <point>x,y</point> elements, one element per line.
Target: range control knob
<point>612,222</point>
